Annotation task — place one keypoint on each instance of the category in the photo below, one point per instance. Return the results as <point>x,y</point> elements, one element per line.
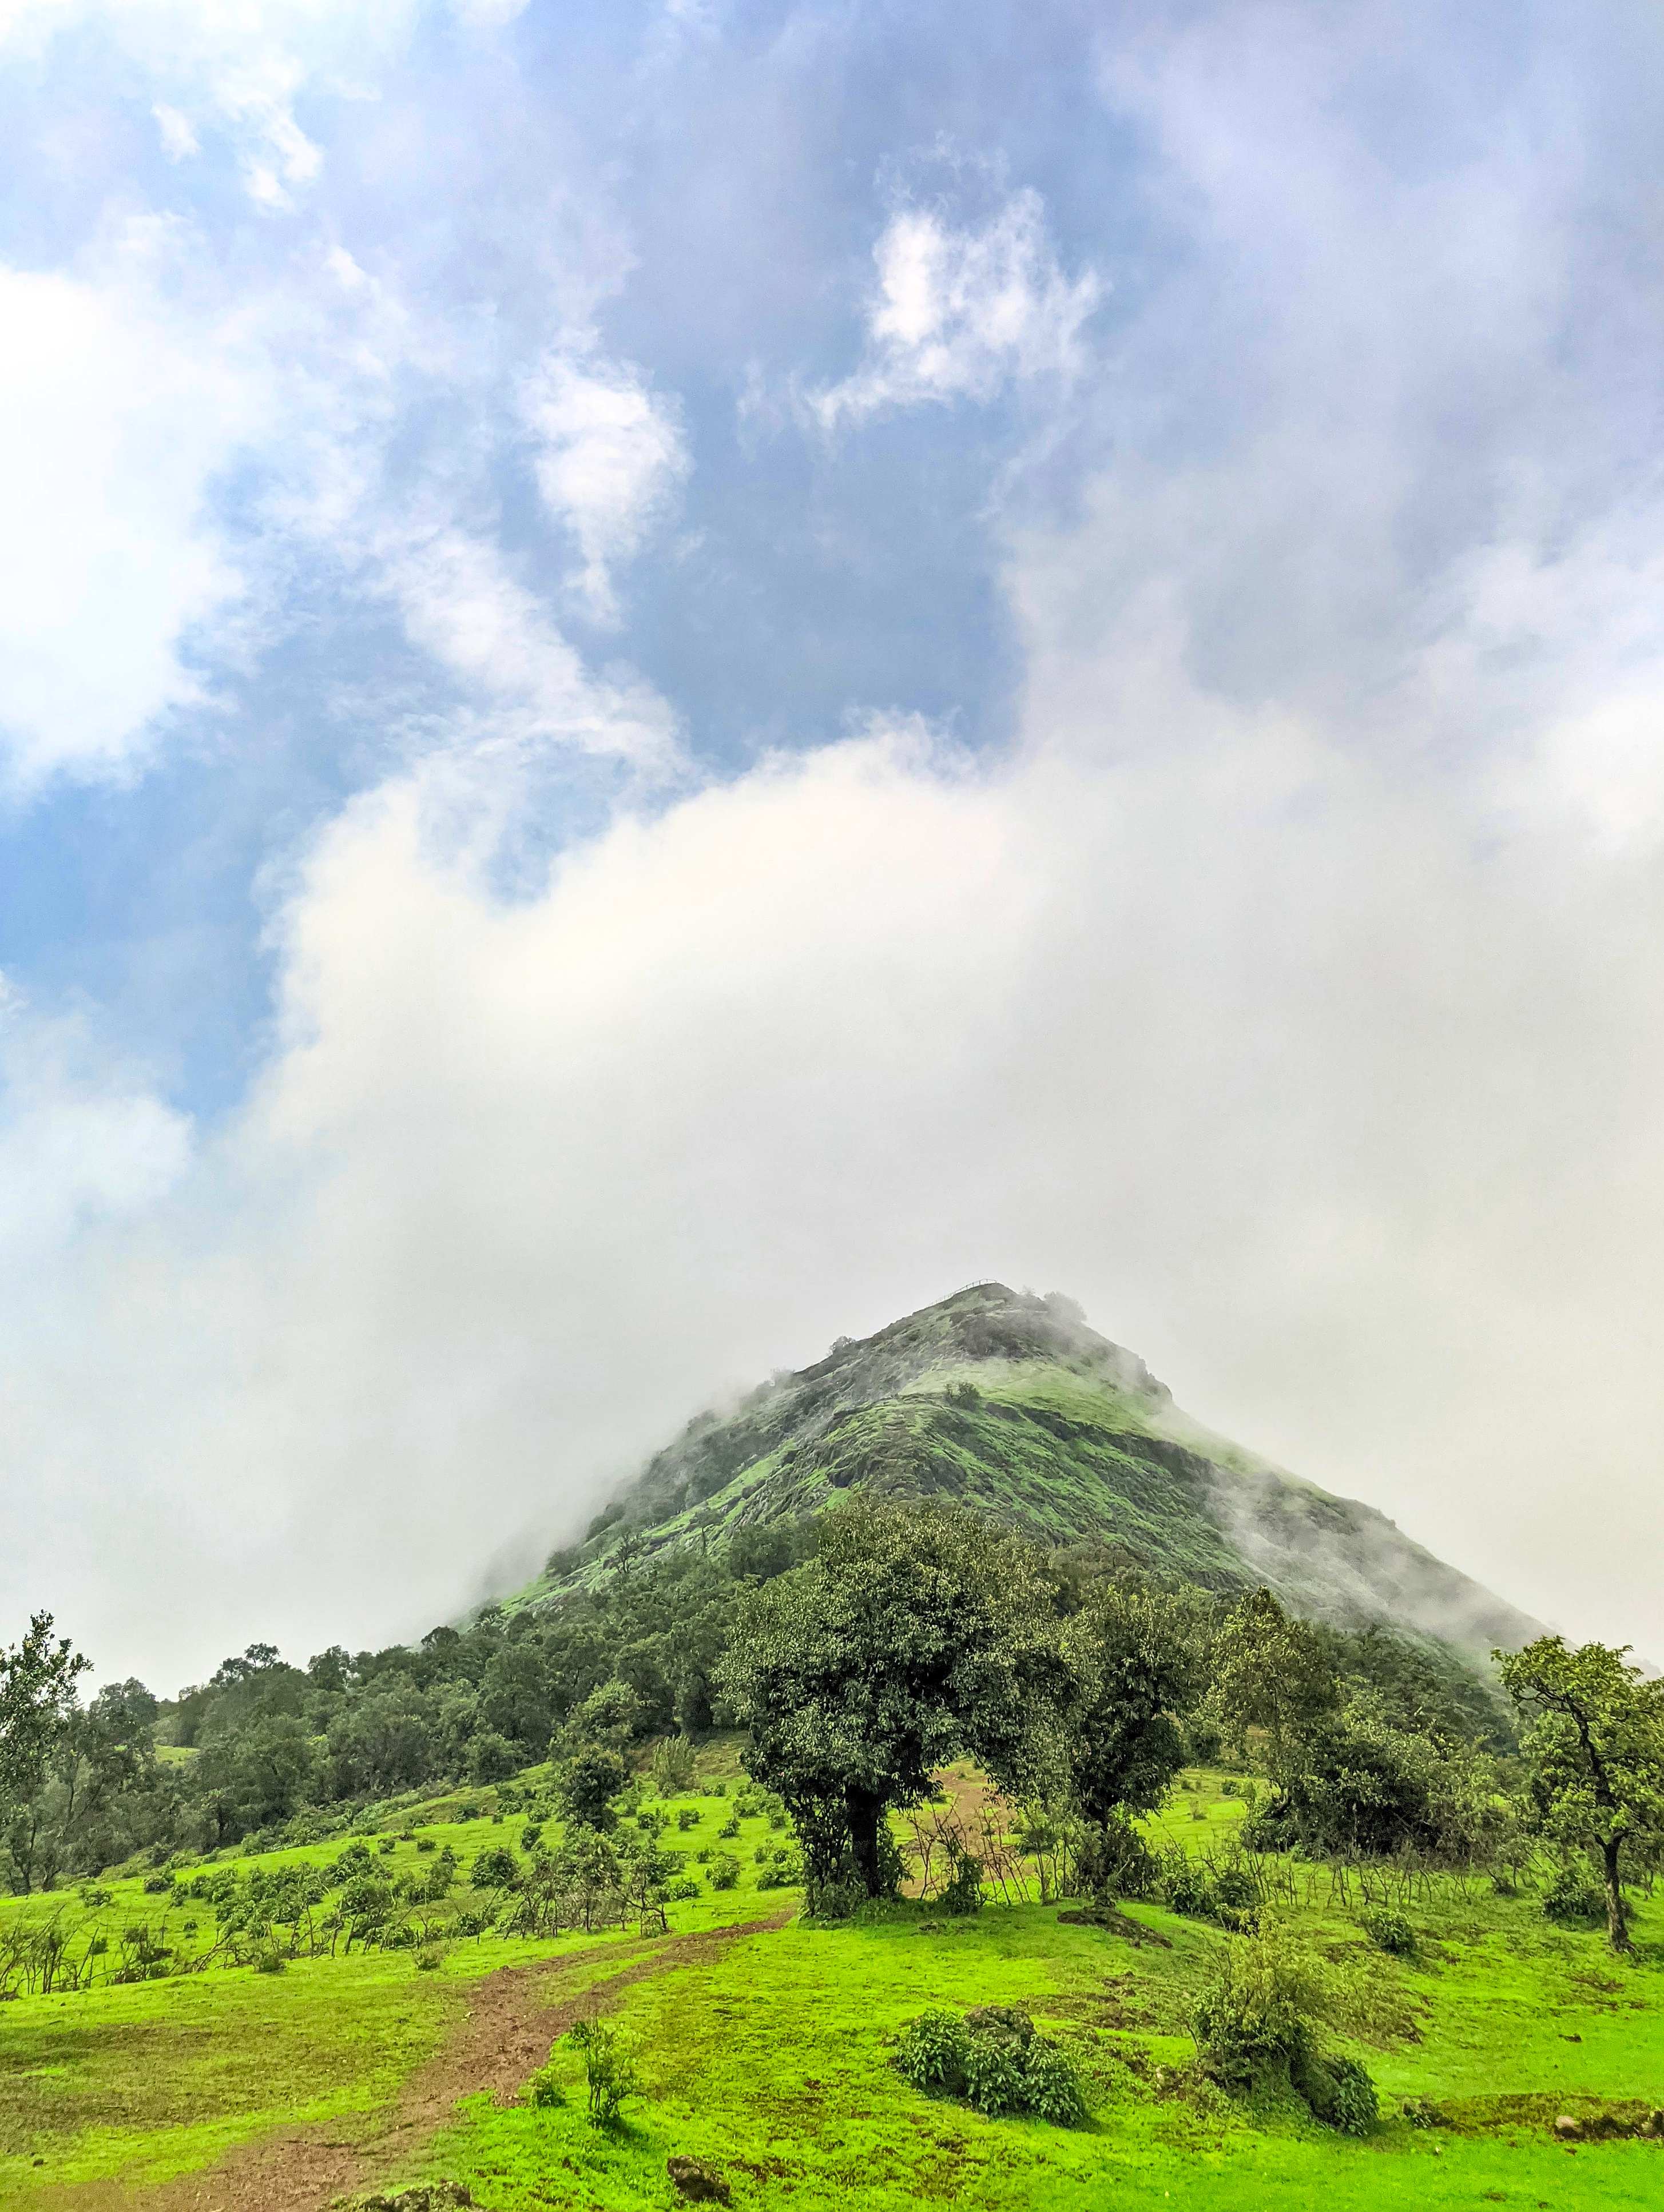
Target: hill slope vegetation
<point>1012,1405</point>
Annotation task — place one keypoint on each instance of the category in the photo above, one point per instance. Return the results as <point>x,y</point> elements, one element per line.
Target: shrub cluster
<point>1387,1929</point>
<point>1220,1890</point>
<point>993,2059</point>
<point>1256,2025</point>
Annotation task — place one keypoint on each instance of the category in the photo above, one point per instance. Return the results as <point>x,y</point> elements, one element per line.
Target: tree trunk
<point>1617,1926</point>
<point>864,1809</point>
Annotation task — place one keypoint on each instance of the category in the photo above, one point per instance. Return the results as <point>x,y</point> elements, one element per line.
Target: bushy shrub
<point>1114,1860</point>
<point>1257,2015</point>
<point>673,1766</point>
<point>961,1893</point>
<point>781,1869</point>
<point>495,1868</point>
<point>687,1817</point>
<point>1387,1929</point>
<point>993,2060</point>
<point>932,2052</point>
<point>1257,2022</point>
<point>724,1871</point>
<point>1574,1898</point>
<point>1053,2087</point>
<point>1204,1889</point>
<point>730,1826</point>
<point>544,2092</point>
<point>684,1886</point>
<point>1340,2093</point>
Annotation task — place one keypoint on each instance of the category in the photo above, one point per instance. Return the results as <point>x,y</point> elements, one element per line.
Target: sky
<point>676,673</point>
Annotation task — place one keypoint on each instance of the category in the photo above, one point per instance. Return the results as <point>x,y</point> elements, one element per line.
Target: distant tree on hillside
<point>1594,1752</point>
<point>1269,1672</point>
<point>913,1636</point>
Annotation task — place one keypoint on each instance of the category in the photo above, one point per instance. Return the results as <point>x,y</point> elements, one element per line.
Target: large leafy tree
<point>1595,1751</point>
<point>37,1696</point>
<point>914,1636</point>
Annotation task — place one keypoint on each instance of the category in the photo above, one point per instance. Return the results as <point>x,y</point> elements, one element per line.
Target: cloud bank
<point>1282,986</point>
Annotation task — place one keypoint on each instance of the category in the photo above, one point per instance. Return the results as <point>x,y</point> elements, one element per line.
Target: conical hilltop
<point>1012,1405</point>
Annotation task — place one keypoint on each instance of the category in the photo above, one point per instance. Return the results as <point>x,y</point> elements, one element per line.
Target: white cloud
<point>960,313</point>
<point>609,458</point>
<point>113,428</point>
<point>460,603</point>
<point>81,1143</point>
<point>1312,1095</point>
<point>178,140</point>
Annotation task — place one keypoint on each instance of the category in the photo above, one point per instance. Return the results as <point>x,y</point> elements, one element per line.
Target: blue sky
<point>672,675</point>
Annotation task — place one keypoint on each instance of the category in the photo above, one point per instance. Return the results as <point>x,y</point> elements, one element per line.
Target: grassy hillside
<point>769,2053</point>
<point>1011,1404</point>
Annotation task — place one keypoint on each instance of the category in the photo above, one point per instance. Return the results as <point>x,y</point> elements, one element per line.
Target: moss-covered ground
<point>771,2057</point>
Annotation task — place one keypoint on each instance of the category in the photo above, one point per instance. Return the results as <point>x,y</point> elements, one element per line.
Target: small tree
<point>1595,1751</point>
<point>586,1785</point>
<point>1271,1672</point>
<point>914,1636</point>
<point>609,2068</point>
<point>1131,1654</point>
<point>37,1694</point>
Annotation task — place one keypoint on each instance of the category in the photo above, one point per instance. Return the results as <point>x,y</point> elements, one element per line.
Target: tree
<point>1132,1656</point>
<point>1269,1672</point>
<point>37,1695</point>
<point>914,1636</point>
<point>1594,1752</point>
<point>586,1785</point>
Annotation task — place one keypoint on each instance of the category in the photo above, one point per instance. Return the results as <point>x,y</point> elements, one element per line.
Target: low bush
<point>992,2059</point>
<point>1340,2093</point>
<point>1574,1898</point>
<point>1257,2024</point>
<point>544,2092</point>
<point>687,1817</point>
<point>724,1871</point>
<point>684,1886</point>
<point>961,1893</point>
<point>1388,1931</point>
<point>781,1868</point>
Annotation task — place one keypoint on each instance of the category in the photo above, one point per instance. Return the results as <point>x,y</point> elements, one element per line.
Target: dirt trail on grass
<point>512,2019</point>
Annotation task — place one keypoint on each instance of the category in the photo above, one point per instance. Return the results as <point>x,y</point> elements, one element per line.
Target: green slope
<point>1012,1405</point>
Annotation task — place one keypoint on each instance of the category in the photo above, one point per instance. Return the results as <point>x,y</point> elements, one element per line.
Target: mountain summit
<point>1010,1404</point>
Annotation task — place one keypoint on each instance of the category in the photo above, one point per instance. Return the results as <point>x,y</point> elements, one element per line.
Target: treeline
<point>271,1751</point>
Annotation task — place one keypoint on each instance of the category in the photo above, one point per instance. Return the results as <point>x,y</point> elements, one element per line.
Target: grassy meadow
<point>769,2055</point>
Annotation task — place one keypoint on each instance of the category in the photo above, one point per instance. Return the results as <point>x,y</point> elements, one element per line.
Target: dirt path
<point>513,2019</point>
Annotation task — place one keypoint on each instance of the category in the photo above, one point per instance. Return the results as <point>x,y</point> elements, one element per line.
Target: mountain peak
<point>1011,1404</point>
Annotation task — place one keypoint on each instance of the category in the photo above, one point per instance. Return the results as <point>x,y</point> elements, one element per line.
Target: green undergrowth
<point>772,2056</point>
<point>774,2063</point>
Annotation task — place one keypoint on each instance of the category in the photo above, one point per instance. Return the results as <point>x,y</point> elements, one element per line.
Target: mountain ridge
<point>1012,1404</point>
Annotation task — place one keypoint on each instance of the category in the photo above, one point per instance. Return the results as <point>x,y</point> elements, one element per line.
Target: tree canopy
<point>1595,1751</point>
<point>914,1636</point>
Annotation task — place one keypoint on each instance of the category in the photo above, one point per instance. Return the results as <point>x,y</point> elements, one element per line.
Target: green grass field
<point>771,2056</point>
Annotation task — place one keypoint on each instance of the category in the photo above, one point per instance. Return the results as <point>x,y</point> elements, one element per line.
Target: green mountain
<point>1010,1404</point>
